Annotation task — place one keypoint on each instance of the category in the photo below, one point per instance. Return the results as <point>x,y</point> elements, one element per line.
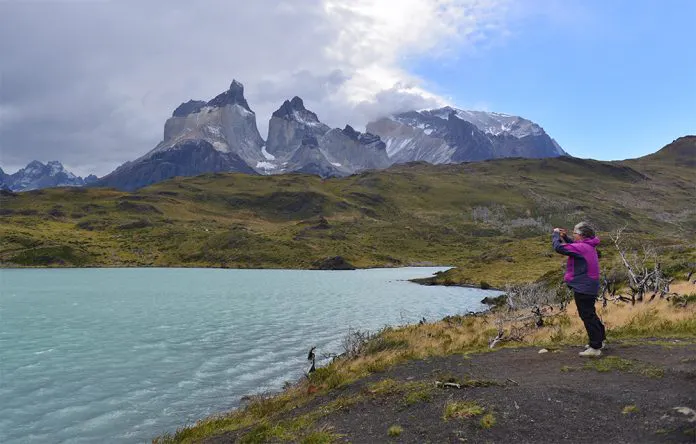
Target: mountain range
<point>409,214</point>
<point>220,135</point>
<point>38,175</point>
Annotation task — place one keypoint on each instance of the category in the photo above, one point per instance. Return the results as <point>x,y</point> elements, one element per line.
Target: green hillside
<point>491,218</point>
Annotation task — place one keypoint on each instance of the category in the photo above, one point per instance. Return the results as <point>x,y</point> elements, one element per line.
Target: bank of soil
<point>642,393</point>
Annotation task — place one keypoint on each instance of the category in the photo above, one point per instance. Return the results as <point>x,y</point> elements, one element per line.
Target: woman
<point>582,275</point>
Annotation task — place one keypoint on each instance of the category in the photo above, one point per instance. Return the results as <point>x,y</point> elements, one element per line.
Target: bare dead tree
<point>644,271</point>
<point>659,282</point>
<point>536,297</point>
<point>533,296</point>
<point>611,283</point>
<point>515,334</point>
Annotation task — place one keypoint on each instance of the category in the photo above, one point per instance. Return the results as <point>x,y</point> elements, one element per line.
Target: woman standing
<point>582,275</point>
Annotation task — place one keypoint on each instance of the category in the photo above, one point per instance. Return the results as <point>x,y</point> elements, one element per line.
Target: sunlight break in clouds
<point>91,83</point>
<point>374,37</point>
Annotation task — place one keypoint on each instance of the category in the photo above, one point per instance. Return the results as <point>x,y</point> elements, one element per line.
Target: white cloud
<point>91,83</point>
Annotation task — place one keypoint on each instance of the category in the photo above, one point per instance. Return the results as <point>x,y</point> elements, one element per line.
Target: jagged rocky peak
<point>297,103</point>
<point>233,96</point>
<point>351,132</point>
<point>292,126</point>
<point>363,138</point>
<point>369,139</point>
<point>294,109</point>
<point>190,107</point>
<point>289,107</point>
<point>55,167</point>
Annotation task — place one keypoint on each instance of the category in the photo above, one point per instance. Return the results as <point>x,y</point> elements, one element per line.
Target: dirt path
<point>631,395</point>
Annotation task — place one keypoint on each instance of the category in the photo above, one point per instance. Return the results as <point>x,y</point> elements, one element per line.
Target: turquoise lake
<point>123,355</point>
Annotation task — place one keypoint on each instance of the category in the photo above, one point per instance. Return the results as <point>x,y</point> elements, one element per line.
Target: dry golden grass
<point>456,334</point>
<point>683,287</point>
<point>472,333</point>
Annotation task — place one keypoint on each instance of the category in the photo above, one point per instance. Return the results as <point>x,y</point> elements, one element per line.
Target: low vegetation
<point>487,421</point>
<point>490,220</point>
<point>461,410</point>
<point>613,363</point>
<point>395,431</point>
<point>272,417</point>
<point>629,409</point>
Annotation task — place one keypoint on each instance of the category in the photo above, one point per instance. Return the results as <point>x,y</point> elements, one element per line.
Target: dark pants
<point>594,327</point>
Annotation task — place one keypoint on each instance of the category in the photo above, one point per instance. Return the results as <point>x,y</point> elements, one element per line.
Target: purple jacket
<point>582,269</point>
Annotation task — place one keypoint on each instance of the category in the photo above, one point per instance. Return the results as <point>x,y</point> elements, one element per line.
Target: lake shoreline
<point>131,343</point>
<point>441,379</point>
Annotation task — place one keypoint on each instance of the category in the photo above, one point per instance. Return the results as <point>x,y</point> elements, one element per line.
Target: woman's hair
<point>585,230</point>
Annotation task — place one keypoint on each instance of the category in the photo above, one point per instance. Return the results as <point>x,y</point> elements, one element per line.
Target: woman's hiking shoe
<point>591,352</point>
<point>604,346</point>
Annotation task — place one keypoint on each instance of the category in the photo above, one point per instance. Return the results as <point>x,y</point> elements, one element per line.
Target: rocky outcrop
<point>200,137</point>
<point>353,151</point>
<point>299,142</point>
<point>309,159</point>
<point>289,125</point>
<point>226,122</point>
<point>233,96</point>
<point>410,143</point>
<point>190,107</point>
<point>450,135</point>
<point>187,158</point>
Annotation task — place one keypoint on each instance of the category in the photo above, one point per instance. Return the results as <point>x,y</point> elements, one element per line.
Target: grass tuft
<point>609,363</point>
<point>487,421</point>
<point>629,409</point>
<point>612,363</point>
<point>461,409</point>
<point>320,437</point>
<point>417,397</point>
<point>395,430</point>
<point>384,387</point>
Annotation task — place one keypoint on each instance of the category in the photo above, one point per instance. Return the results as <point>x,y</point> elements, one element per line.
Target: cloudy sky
<point>90,83</point>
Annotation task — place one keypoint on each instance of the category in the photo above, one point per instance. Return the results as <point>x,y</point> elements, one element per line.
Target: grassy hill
<point>491,218</point>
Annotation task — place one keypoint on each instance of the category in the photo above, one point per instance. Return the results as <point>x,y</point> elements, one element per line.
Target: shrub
<point>684,300</point>
<point>135,224</point>
<point>58,255</point>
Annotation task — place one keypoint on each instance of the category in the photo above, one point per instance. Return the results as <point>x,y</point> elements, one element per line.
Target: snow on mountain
<point>200,137</point>
<point>221,135</point>
<point>289,126</point>
<point>299,141</point>
<point>446,135</point>
<point>36,175</point>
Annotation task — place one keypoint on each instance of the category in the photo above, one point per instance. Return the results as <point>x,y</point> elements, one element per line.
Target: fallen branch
<point>447,384</point>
